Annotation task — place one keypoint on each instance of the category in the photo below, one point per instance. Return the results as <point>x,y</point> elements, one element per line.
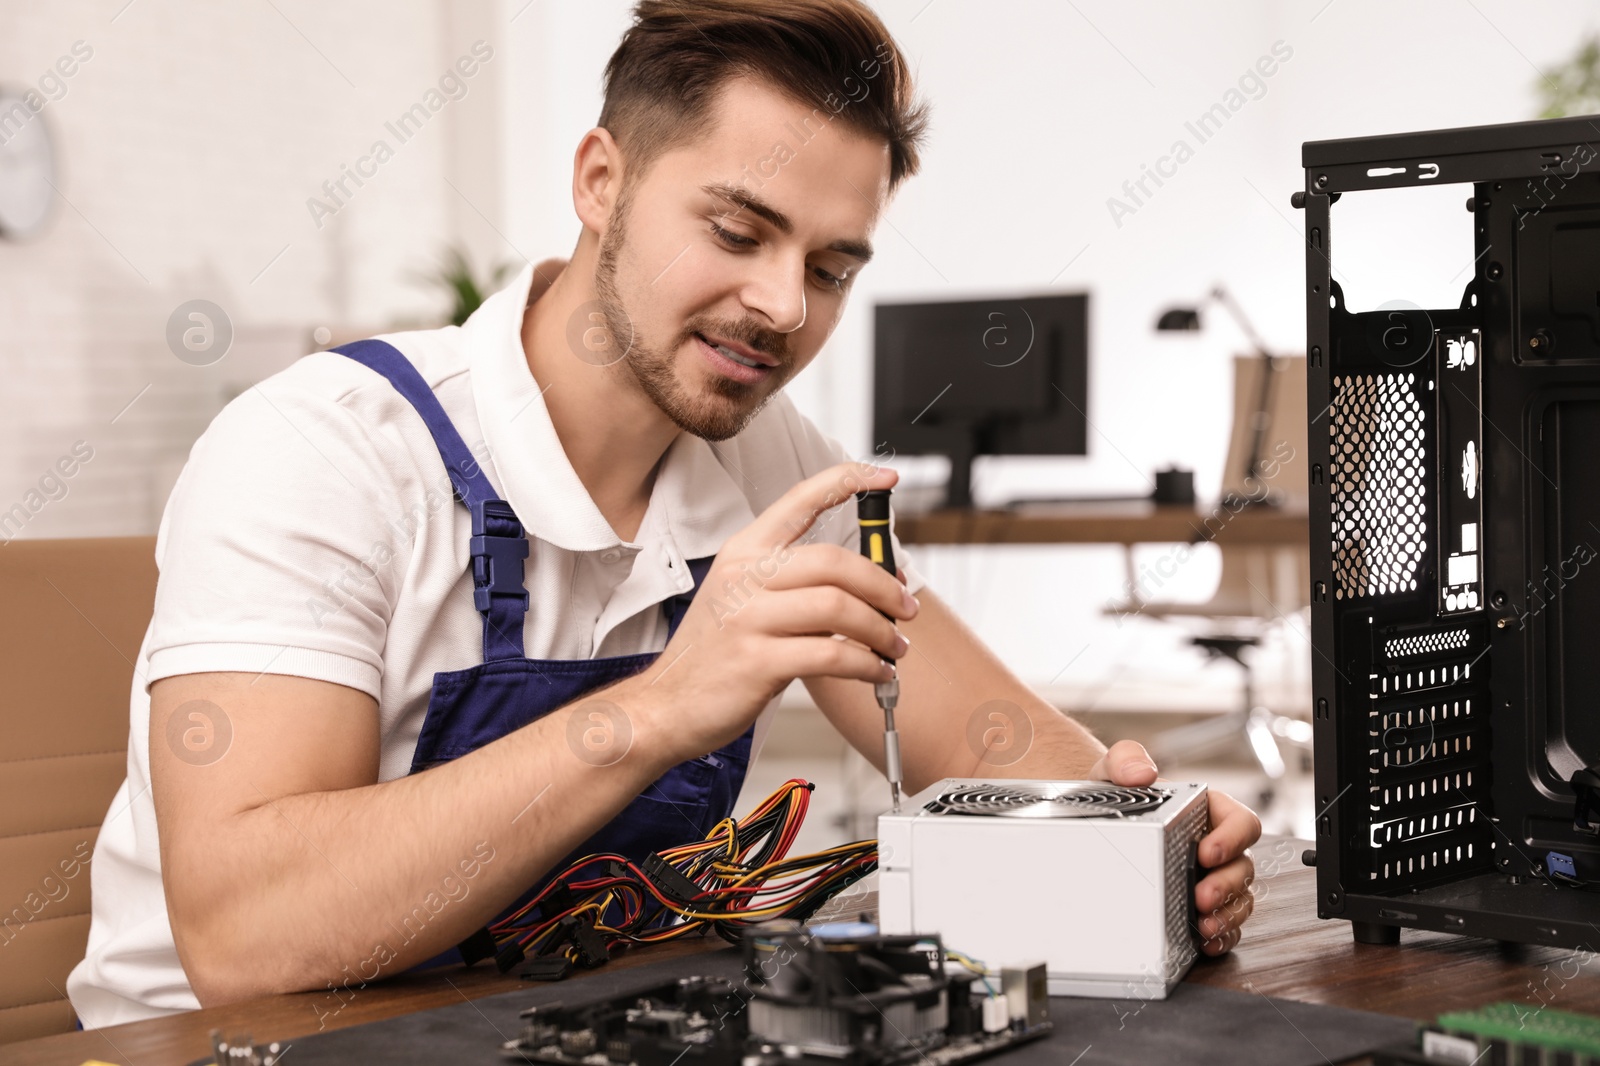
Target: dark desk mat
<point>1195,1026</point>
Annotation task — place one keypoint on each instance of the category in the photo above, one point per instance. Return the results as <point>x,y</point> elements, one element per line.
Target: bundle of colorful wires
<point>739,875</point>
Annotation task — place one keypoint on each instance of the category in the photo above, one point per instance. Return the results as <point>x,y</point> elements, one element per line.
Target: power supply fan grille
<point>1377,483</point>
<point>1049,800</point>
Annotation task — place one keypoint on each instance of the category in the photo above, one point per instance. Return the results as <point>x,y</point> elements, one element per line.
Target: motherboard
<point>839,995</point>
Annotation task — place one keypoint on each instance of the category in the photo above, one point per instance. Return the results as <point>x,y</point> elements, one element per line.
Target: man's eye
<point>830,280</point>
<point>730,238</point>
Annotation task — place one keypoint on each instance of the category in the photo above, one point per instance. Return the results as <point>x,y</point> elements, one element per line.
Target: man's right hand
<point>767,613</point>
<point>293,809</point>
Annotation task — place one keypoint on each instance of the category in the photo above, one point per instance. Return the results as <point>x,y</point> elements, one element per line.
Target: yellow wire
<point>801,870</point>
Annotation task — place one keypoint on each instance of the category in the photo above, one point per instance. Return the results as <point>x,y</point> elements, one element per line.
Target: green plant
<point>1573,88</point>
<point>455,275</point>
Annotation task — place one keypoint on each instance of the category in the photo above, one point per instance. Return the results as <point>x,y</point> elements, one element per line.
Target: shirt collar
<point>695,503</point>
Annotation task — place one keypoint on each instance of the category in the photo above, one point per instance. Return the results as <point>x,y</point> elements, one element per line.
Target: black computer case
<point>1455,514</point>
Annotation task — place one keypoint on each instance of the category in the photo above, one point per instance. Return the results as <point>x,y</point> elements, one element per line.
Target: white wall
<point>188,144</point>
<point>193,137</point>
<point>1043,112</point>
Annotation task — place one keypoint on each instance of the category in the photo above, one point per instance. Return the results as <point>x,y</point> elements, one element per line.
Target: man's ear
<point>596,179</point>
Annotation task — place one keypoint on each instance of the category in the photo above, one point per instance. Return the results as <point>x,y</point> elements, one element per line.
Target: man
<point>362,741</point>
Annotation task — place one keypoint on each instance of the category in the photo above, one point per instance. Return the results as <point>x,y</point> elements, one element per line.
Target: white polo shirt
<point>312,533</point>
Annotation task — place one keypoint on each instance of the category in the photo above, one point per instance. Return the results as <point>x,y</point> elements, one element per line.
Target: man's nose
<point>778,294</point>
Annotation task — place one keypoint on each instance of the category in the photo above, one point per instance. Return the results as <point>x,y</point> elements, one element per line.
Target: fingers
<point>1224,896</point>
<point>1125,763</point>
<point>1225,900</point>
<point>823,611</point>
<point>831,564</point>
<point>1234,827</point>
<point>826,657</point>
<point>1222,887</point>
<point>1226,942</point>
<point>792,514</point>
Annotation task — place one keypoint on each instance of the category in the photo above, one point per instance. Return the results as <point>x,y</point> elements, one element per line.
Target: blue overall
<point>470,708</point>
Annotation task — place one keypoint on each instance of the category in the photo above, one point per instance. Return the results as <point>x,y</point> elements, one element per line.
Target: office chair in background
<point>1262,587</point>
<point>78,610</point>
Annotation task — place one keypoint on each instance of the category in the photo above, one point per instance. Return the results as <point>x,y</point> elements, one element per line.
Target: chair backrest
<point>76,613</point>
<point>1262,581</point>
<point>1285,438</point>
<point>1259,581</point>
<point>1265,581</point>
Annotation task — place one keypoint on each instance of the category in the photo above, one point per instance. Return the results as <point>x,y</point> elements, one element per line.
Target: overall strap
<point>677,606</point>
<point>498,543</point>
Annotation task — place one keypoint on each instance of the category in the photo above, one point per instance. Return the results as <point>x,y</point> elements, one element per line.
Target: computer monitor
<point>1005,375</point>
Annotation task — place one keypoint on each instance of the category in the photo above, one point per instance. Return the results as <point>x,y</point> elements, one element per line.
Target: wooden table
<point>1135,522</point>
<point>1286,952</point>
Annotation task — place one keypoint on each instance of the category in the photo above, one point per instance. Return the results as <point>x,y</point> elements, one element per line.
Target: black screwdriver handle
<point>872,512</point>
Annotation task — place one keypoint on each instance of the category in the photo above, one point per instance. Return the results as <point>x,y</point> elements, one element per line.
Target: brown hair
<point>664,77</point>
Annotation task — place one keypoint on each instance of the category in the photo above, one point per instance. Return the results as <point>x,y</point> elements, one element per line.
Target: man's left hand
<point>1224,895</point>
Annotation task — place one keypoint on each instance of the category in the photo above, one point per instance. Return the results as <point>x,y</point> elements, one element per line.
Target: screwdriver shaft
<point>888,693</point>
<point>872,511</point>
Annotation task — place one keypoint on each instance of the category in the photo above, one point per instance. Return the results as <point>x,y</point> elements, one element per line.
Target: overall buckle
<point>498,547</point>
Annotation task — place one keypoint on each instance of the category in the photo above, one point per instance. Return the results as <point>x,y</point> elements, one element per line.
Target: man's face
<point>748,238</point>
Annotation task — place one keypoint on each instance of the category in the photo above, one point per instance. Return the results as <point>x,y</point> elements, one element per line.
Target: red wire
<point>631,893</point>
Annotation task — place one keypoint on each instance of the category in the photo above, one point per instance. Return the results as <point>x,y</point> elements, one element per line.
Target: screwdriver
<point>872,512</point>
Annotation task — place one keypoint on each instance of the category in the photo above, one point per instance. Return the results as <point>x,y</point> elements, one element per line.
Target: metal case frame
<point>1452,701</point>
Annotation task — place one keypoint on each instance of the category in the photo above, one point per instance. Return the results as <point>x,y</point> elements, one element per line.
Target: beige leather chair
<point>75,612</point>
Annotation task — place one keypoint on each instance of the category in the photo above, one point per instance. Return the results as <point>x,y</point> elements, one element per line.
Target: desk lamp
<point>1187,319</point>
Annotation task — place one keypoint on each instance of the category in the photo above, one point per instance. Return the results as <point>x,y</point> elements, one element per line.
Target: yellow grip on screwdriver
<point>872,514</point>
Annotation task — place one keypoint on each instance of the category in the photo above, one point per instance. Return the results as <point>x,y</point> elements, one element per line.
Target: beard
<point>713,412</point>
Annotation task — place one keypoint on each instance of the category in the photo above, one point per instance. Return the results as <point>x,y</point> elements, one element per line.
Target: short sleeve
<point>275,555</point>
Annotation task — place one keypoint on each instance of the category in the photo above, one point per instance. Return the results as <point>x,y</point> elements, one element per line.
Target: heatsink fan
<point>1096,878</point>
<point>813,996</point>
<point>1049,799</point>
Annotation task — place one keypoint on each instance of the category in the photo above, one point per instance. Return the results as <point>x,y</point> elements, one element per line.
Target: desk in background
<point>1128,524</point>
<point>1135,522</point>
<point>1286,952</point>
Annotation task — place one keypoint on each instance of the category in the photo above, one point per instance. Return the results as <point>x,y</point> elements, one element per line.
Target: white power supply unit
<point>1097,879</point>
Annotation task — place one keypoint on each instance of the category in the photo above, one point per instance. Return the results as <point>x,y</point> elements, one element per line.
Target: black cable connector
<point>548,968</point>
<point>558,899</point>
<point>589,945</point>
<point>477,947</point>
<point>508,956</point>
<point>669,880</point>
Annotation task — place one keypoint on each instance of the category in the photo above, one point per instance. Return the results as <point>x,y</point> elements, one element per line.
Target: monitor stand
<point>965,447</point>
